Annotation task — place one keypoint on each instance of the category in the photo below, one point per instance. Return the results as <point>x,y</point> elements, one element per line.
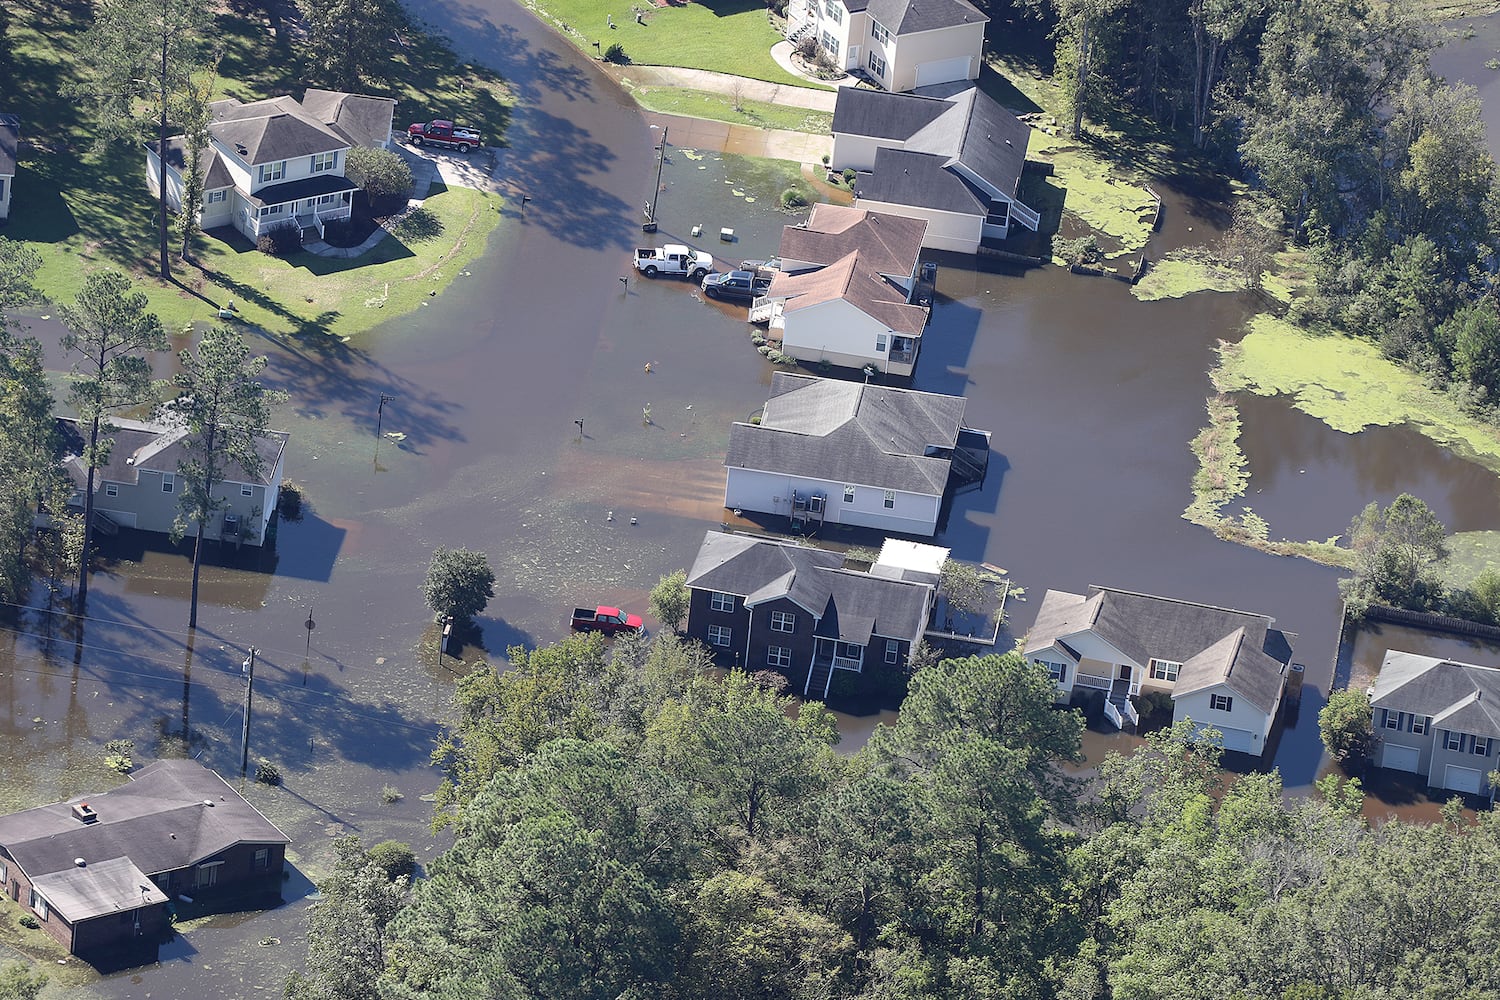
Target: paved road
<point>745,140</point>
<point>725,83</point>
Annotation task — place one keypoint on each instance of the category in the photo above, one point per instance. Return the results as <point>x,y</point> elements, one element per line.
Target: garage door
<point>1236,739</point>
<point>1462,779</point>
<point>942,71</point>
<point>1400,758</point>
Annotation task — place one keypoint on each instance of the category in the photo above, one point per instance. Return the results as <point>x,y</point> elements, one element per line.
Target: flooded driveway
<point>1092,398</point>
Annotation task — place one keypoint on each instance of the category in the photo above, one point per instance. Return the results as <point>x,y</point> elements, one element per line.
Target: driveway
<point>742,140</point>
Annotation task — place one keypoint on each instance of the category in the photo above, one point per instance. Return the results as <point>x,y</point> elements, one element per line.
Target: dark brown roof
<point>889,244</point>
<point>858,284</point>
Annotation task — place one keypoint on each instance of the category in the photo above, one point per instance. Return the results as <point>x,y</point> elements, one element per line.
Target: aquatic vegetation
<point>1183,272</point>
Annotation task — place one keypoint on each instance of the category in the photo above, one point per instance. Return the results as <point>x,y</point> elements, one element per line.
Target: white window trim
<point>892,650</point>
<point>783,621</point>
<point>779,657</point>
<point>716,600</point>
<point>890,500</point>
<point>720,635</point>
<point>271,171</point>
<point>877,64</point>
<point>168,483</point>
<point>879,32</point>
<point>247,491</point>
<point>848,494</point>
<point>1168,670</point>
<point>111,489</point>
<point>1221,702</point>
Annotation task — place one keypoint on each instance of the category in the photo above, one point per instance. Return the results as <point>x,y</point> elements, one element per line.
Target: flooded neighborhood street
<point>1091,396</point>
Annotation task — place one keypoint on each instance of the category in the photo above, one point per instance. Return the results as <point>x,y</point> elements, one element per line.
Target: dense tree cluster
<point>628,824</point>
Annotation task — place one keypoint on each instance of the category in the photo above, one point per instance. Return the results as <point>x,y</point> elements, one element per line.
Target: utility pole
<point>650,224</point>
<point>249,667</point>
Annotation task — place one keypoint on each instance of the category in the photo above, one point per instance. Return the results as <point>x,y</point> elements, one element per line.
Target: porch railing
<point>1093,681</point>
<point>1028,217</point>
<point>1113,714</point>
<point>1132,714</point>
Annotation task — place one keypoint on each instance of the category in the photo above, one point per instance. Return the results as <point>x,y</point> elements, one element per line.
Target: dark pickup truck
<point>740,286</point>
<point>610,621</point>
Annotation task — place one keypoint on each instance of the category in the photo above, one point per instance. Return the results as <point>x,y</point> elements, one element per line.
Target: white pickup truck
<point>674,258</point>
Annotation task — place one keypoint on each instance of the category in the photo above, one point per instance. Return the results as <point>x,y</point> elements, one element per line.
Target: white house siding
<point>296,169</point>
<point>858,151</point>
<point>942,45</point>
<point>237,169</point>
<point>219,213</point>
<point>7,181</point>
<point>1397,740</point>
<point>945,230</point>
<point>771,493</point>
<point>174,182</point>
<point>1242,715</point>
<point>836,331</point>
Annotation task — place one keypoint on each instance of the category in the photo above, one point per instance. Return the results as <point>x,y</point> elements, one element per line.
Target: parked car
<point>757,265</point>
<point>441,132</point>
<point>610,621</point>
<point>675,259</point>
<point>737,286</point>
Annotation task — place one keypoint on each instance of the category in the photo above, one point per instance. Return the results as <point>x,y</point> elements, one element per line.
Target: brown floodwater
<point>1092,398</point>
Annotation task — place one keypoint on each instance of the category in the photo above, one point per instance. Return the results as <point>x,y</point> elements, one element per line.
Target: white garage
<point>1463,779</point>
<point>942,71</point>
<point>1399,758</point>
<point>1242,740</point>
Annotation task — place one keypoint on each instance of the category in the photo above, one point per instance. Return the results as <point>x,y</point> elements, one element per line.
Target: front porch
<point>1120,682</point>
<point>830,655</point>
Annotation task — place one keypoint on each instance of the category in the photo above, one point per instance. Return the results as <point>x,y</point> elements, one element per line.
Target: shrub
<point>281,240</point>
<point>394,858</point>
<point>669,600</point>
<point>289,503</point>
<point>267,773</point>
<point>755,420</point>
<point>1347,726</point>
<point>1080,252</point>
<point>849,174</point>
<point>826,159</point>
<point>383,176</point>
<point>29,922</point>
<point>616,54</point>
<point>117,755</point>
<point>807,47</point>
<point>793,197</point>
<point>390,794</point>
<point>1156,707</point>
<point>778,7</point>
<point>757,340</point>
<point>765,350</point>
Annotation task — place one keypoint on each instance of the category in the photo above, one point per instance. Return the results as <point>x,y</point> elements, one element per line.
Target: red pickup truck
<point>610,621</point>
<point>440,132</point>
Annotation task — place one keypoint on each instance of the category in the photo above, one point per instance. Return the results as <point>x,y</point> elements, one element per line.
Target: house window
<point>877,64</point>
<point>999,214</point>
<point>1419,723</point>
<point>721,602</point>
<point>214,197</point>
<point>879,34</point>
<point>880,343</point>
<point>890,499</point>
<point>4,872</point>
<point>1220,702</point>
<point>323,162</point>
<point>849,651</point>
<point>779,657</point>
<point>1057,671</point>
<point>168,482</point>
<point>272,171</point>
<point>207,876</point>
<point>783,621</point>
<point>848,494</point>
<point>830,45</point>
<point>111,490</point>
<point>327,199</point>
<point>1481,747</point>
<point>247,491</point>
<point>263,859</point>
<point>834,11</point>
<point>271,210</point>
<point>892,650</point>
<point>39,904</point>
<point>1164,670</point>
<point>1455,741</point>
<point>719,635</point>
<point>1392,719</point>
<point>2,187</point>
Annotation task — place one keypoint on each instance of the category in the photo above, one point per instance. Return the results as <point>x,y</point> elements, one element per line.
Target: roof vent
<point>208,802</point>
<point>84,813</point>
<point>80,862</point>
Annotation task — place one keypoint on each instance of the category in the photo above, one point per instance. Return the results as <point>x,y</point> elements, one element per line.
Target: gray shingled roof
<point>871,435</point>
<point>888,244</point>
<point>1464,697</point>
<point>906,17</point>
<point>98,889</point>
<point>920,180</point>
<point>10,144</point>
<point>1237,649</point>
<point>211,168</point>
<point>850,605</point>
<point>857,111</point>
<point>363,120</point>
<point>271,130</point>
<point>172,814</point>
<point>157,447</point>
<point>306,187</point>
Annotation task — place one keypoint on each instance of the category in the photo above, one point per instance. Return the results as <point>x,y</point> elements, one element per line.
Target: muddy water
<point>1092,398</point>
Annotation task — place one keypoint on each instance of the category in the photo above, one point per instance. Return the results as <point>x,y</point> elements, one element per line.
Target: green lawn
<point>727,36</point>
<point>705,104</point>
<point>83,208</point>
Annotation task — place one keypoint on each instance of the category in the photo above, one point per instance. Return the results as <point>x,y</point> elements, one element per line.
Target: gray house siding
<point>1442,757</point>
<point>152,508</point>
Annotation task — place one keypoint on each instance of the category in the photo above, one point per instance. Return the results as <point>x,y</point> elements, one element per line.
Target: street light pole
<point>249,667</point>
<point>650,225</point>
<point>385,397</point>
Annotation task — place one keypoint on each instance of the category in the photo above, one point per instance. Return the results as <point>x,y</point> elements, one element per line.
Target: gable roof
<point>1216,646</point>
<point>905,17</point>
<point>362,120</point>
<point>98,889</point>
<point>850,432</point>
<point>852,280</point>
<point>211,168</point>
<point>888,244</point>
<point>849,605</point>
<point>171,814</point>
<point>10,144</point>
<point>1464,697</point>
<point>156,447</point>
<point>271,130</point>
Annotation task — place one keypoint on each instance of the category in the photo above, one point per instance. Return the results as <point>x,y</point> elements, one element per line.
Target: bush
<point>1347,726</point>
<point>1080,252</point>
<point>757,340</point>
<point>1155,708</point>
<point>777,7</point>
<point>267,773</point>
<point>793,197</point>
<point>383,176</point>
<point>29,922</point>
<point>669,600</point>
<point>394,858</point>
<point>765,350</point>
<point>117,755</point>
<point>826,159</point>
<point>289,503</point>
<point>616,54</point>
<point>849,174</point>
<point>390,794</point>
<point>807,47</point>
<point>281,240</point>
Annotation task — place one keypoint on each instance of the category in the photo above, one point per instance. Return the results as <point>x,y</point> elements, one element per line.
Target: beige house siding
<point>907,52</point>
<point>151,508</point>
<point>858,151</point>
<point>945,230</point>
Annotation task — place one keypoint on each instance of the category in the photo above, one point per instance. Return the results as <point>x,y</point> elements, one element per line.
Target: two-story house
<point>275,162</point>
<point>830,451</point>
<point>844,293</point>
<point>761,604</point>
<point>954,162</point>
<point>139,486</point>
<point>10,150</point>
<point>1225,669</point>
<point>898,44</point>
<point>1439,719</point>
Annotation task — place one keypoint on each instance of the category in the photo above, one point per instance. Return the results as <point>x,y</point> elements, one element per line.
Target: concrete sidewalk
<point>724,83</point>
<point>744,140</point>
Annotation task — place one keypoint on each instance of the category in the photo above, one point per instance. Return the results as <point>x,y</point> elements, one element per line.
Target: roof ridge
<point>1179,600</point>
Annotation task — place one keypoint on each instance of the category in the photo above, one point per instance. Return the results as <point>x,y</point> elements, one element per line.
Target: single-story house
<point>761,604</point>
<point>276,162</point>
<point>845,289</point>
<point>10,151</point>
<point>139,486</point>
<point>954,162</point>
<point>827,450</point>
<point>97,871</point>
<point>1439,719</point>
<point>899,44</point>
<point>1225,669</point>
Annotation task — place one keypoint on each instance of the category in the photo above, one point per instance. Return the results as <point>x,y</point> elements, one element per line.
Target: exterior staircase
<point>819,675</point>
<point>1120,709</point>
